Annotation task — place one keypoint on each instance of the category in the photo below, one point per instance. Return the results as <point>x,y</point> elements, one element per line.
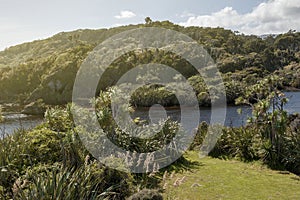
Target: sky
<point>23,21</point>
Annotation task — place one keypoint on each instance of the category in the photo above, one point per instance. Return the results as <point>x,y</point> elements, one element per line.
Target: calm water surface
<point>233,118</point>
<point>14,121</point>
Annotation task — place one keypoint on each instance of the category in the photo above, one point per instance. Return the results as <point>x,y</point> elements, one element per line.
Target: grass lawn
<point>219,179</point>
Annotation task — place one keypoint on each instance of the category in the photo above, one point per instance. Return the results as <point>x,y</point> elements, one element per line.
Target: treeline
<point>46,69</point>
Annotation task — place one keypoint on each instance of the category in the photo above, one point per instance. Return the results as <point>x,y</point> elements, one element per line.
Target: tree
<point>269,119</point>
<point>148,20</point>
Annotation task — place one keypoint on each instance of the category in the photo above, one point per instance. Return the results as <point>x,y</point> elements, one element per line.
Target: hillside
<point>46,69</point>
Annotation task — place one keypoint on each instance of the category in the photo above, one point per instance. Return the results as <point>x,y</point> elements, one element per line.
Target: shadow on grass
<point>183,164</point>
<point>153,181</point>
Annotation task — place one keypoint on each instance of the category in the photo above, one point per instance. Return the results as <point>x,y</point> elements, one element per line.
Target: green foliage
<point>51,162</point>
<point>1,116</point>
<point>153,94</point>
<point>123,139</point>
<point>291,148</point>
<point>291,75</point>
<point>148,20</point>
<point>241,143</point>
<point>199,136</point>
<point>271,135</point>
<point>49,78</point>
<point>59,119</point>
<point>23,150</point>
<point>46,68</point>
<point>146,194</point>
<point>271,122</point>
<point>86,182</point>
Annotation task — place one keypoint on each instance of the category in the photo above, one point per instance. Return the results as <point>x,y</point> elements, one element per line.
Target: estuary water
<point>14,121</point>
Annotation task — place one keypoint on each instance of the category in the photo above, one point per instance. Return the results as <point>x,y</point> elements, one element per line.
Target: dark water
<point>14,121</point>
<point>233,117</point>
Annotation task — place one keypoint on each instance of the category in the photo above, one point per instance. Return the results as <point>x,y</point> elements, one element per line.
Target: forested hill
<point>45,69</point>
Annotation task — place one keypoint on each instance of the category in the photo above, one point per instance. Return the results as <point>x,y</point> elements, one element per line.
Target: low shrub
<point>199,136</point>
<point>250,144</point>
<point>59,119</point>
<point>41,146</point>
<point>86,182</point>
<point>242,143</point>
<point>146,194</point>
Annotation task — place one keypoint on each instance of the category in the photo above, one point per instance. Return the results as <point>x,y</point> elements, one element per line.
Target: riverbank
<point>233,117</point>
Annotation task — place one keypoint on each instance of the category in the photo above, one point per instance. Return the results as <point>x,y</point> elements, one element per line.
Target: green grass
<point>220,179</point>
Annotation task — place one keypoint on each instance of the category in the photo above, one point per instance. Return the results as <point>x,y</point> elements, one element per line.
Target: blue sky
<point>22,21</point>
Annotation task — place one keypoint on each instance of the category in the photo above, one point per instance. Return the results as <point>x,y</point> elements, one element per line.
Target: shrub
<point>242,143</point>
<point>59,119</point>
<point>153,140</point>
<point>200,135</point>
<point>46,146</point>
<point>86,182</point>
<point>24,150</point>
<point>146,194</point>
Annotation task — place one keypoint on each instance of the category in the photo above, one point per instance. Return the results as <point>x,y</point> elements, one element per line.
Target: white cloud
<point>186,14</point>
<point>273,16</point>
<point>125,14</point>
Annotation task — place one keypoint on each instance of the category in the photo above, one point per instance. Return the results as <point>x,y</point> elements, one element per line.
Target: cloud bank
<point>125,14</point>
<point>273,16</point>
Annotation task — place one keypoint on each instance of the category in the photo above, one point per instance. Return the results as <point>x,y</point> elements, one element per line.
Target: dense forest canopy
<point>46,69</point>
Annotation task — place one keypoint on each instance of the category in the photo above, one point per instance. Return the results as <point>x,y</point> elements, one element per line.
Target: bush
<point>59,119</point>
<point>242,143</point>
<point>250,144</point>
<point>146,194</point>
<point>46,146</point>
<point>288,150</point>
<point>291,155</point>
<point>153,140</point>
<point>48,162</point>
<point>42,146</point>
<point>200,135</point>
<point>86,182</point>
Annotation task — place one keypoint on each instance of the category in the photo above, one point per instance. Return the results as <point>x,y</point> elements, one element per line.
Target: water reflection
<point>233,118</point>
<point>14,121</point>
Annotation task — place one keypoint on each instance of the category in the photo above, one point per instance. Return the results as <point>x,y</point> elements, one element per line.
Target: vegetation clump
<point>146,194</point>
<point>46,69</point>
<point>1,115</point>
<point>271,135</point>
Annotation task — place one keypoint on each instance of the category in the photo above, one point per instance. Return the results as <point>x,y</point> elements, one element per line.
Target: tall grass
<point>86,182</point>
<point>1,115</point>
